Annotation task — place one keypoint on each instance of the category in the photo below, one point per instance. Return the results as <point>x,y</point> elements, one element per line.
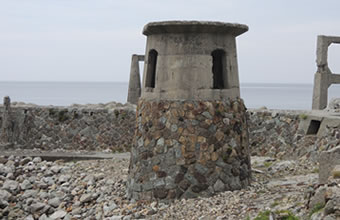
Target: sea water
<point>255,95</point>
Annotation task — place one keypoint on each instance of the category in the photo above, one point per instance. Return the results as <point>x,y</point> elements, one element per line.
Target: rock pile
<point>31,189</point>
<point>98,127</point>
<point>34,189</point>
<point>324,199</point>
<point>334,105</point>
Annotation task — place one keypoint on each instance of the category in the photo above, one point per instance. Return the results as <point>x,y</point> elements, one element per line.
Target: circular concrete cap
<point>164,27</point>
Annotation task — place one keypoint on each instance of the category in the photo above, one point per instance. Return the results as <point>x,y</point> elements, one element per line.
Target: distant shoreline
<point>255,95</point>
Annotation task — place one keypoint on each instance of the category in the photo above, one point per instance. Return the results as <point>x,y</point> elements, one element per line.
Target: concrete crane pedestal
<point>191,134</point>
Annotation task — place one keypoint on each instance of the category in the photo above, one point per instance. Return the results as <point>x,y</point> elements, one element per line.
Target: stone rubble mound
<point>34,189</point>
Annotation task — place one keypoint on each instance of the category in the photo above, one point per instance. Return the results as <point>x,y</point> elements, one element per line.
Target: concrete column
<point>322,51</point>
<point>6,121</point>
<point>134,91</point>
<point>324,77</point>
<point>320,91</point>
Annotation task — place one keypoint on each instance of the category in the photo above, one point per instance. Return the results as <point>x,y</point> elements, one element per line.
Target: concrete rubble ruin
<point>134,91</point>
<point>324,77</point>
<point>191,132</point>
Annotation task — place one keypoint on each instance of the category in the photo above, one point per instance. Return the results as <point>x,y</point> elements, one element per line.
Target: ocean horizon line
<point>272,95</point>
<point>43,81</point>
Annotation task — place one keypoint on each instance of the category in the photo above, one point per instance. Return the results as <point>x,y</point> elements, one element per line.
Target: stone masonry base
<point>186,149</point>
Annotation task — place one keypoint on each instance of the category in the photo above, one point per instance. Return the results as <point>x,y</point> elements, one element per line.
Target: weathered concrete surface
<point>324,77</point>
<point>184,64</point>
<point>163,27</point>
<point>328,160</point>
<point>134,91</point>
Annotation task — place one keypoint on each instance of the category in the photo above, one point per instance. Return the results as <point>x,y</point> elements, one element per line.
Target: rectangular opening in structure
<point>313,127</point>
<point>151,69</point>
<point>219,69</point>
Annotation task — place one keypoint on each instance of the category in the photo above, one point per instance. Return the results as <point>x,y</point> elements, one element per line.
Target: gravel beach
<point>31,188</point>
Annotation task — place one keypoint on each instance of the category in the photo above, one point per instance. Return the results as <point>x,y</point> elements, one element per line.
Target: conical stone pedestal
<point>185,149</point>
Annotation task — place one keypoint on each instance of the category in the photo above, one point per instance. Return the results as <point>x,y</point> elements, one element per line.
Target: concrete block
<point>327,162</point>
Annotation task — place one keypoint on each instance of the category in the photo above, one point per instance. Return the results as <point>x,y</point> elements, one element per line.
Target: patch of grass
<point>300,204</point>
<point>303,116</point>
<point>263,216</point>
<point>318,207</point>
<point>267,164</point>
<point>336,174</point>
<point>275,203</point>
<point>315,170</point>
<point>284,215</point>
<point>261,192</point>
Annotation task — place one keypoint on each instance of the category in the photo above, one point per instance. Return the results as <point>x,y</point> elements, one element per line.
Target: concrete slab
<point>325,121</point>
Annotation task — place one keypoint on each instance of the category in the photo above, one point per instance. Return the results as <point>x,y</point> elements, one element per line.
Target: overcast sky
<point>92,40</point>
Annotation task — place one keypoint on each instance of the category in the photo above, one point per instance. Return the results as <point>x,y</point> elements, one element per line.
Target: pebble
<point>58,214</point>
<point>4,195</point>
<point>86,198</point>
<point>55,169</point>
<point>25,185</point>
<point>37,206</point>
<point>54,202</point>
<point>37,160</point>
<point>10,185</point>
